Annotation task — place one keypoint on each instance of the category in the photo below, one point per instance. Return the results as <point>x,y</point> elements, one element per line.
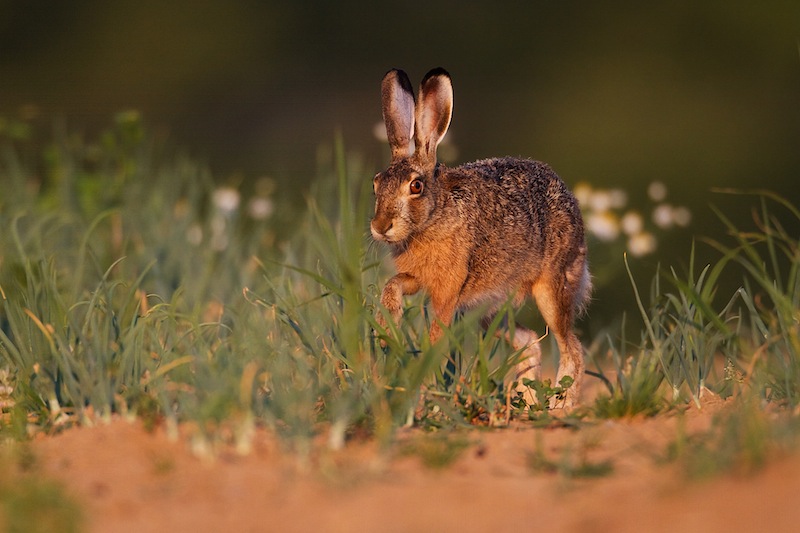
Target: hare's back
<point>517,190</point>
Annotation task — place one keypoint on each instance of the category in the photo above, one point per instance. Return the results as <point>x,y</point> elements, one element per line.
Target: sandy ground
<point>130,480</point>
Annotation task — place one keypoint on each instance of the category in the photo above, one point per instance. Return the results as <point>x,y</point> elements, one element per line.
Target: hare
<point>480,233</point>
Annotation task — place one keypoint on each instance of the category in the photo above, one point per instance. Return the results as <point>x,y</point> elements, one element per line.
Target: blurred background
<point>617,96</point>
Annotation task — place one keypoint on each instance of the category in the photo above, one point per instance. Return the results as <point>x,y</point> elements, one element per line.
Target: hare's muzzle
<point>381,229</point>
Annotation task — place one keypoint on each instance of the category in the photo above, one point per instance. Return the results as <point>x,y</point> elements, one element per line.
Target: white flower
<point>682,216</point>
<point>604,226</point>
<point>618,198</point>
<point>582,192</point>
<point>657,191</point>
<point>600,201</point>
<point>632,223</point>
<point>226,199</point>
<point>260,208</point>
<point>641,244</point>
<point>662,216</point>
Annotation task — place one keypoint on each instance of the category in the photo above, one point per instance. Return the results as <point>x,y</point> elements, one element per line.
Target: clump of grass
<point>122,302</point>
<point>30,503</point>
<point>770,257</point>
<point>471,388</point>
<point>740,441</point>
<point>684,332</point>
<point>688,335</point>
<point>437,450</point>
<point>35,505</point>
<point>573,463</point>
<point>636,389</point>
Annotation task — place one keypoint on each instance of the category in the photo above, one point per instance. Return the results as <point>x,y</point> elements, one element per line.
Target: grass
<point>438,450</point>
<point>573,462</point>
<point>29,503</point>
<point>132,284</point>
<point>740,441</point>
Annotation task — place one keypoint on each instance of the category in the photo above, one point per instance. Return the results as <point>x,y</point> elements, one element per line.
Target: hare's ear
<point>397,98</point>
<point>434,109</point>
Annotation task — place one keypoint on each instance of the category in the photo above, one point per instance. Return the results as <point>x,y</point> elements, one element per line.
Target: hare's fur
<point>478,233</point>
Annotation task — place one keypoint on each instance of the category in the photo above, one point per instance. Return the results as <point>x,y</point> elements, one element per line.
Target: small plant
<point>572,464</point>
<point>547,396</point>
<point>38,506</point>
<point>30,503</point>
<point>635,392</point>
<point>740,441</point>
<point>437,450</point>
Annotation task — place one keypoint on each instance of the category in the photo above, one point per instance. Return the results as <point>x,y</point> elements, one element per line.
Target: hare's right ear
<point>397,98</point>
<point>434,110</point>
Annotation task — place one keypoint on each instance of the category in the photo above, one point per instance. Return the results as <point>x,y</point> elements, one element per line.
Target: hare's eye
<point>415,187</point>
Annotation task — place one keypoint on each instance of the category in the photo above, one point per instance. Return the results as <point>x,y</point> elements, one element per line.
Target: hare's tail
<point>584,292</point>
<point>580,282</point>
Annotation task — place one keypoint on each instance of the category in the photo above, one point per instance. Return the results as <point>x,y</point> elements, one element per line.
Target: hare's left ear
<point>397,100</point>
<point>433,113</point>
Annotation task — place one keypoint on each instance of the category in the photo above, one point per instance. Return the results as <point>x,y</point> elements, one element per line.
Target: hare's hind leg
<point>556,300</point>
<point>530,365</point>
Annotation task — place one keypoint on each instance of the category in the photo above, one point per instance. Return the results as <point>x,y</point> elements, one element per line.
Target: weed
<point>572,463</point>
<point>740,441</point>
<point>29,503</point>
<point>635,387</point>
<point>437,450</point>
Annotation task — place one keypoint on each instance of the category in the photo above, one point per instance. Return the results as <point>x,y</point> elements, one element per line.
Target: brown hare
<point>479,233</point>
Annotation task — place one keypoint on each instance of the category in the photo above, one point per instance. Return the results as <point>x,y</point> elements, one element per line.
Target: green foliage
<point>437,450</point>
<point>573,463</point>
<point>472,388</point>
<point>739,441</point>
<point>29,503</point>
<point>132,284</point>
<point>33,506</point>
<point>684,331</point>
<point>636,385</point>
<point>547,397</point>
<point>121,275</point>
<point>770,257</point>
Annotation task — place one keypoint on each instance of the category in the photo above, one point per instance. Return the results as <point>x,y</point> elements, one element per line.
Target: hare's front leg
<point>392,297</point>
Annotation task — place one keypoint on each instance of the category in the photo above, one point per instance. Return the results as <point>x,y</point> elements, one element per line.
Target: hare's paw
<point>568,400</point>
<point>384,328</point>
<point>529,368</point>
<point>392,300</point>
<point>571,396</point>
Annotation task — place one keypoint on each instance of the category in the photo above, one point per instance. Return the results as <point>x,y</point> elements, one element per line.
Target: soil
<point>129,479</point>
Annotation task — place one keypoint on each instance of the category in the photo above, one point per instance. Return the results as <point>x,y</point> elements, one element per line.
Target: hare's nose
<point>382,227</point>
<point>380,231</point>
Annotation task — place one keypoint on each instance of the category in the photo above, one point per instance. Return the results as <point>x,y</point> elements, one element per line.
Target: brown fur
<point>480,232</point>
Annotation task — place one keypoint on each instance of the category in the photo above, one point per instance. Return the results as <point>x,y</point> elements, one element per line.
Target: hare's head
<point>405,193</point>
